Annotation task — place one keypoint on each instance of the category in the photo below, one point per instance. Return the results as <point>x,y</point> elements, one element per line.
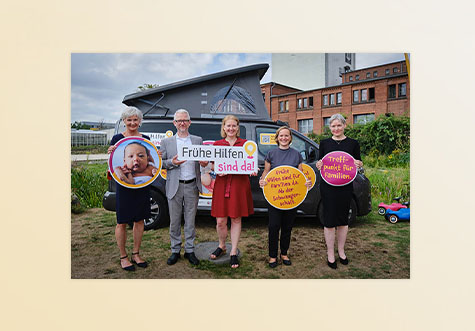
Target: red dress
<point>232,193</point>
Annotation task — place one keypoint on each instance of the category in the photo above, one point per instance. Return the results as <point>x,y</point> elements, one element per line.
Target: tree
<point>79,125</point>
<point>147,86</point>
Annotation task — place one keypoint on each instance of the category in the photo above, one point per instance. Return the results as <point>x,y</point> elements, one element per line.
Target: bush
<point>388,184</point>
<point>88,185</point>
<point>384,142</point>
<point>382,136</point>
<point>396,159</point>
<point>89,149</point>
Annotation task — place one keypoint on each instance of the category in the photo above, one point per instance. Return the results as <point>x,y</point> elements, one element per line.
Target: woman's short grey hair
<point>337,117</point>
<point>131,111</point>
<point>181,111</point>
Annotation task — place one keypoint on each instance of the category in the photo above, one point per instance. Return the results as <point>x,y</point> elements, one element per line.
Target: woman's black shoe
<point>344,261</point>
<point>140,264</point>
<point>286,262</point>
<point>130,267</point>
<point>331,264</point>
<point>273,264</point>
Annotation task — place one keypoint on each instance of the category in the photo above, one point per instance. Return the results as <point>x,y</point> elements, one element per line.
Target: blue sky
<point>99,81</point>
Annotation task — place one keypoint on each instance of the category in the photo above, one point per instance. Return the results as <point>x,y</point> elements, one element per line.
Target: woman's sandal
<point>234,261</point>
<point>140,264</point>
<point>130,267</point>
<point>217,253</point>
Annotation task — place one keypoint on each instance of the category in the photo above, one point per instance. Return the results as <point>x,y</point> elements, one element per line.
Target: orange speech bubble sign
<point>309,173</point>
<point>285,187</point>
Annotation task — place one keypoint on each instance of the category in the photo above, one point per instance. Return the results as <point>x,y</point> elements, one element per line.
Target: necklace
<point>338,142</point>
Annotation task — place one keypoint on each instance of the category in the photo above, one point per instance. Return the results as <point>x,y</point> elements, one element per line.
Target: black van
<point>208,99</point>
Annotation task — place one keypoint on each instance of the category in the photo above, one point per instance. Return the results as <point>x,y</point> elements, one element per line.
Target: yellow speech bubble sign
<point>169,133</point>
<point>309,173</point>
<point>285,187</point>
<point>250,147</point>
<point>163,173</point>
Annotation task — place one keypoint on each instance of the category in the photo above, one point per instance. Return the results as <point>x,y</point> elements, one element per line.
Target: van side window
<point>265,142</point>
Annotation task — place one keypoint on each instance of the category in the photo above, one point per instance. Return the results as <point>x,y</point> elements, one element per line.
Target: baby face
<point>135,157</point>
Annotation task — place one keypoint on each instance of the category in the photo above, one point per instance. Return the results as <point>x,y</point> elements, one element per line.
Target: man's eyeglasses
<point>182,121</point>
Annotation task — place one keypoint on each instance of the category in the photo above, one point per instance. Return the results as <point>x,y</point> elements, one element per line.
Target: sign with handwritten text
<point>285,187</point>
<point>227,159</point>
<point>338,168</point>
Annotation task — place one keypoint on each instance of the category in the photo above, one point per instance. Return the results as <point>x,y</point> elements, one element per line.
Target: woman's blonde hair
<point>227,118</point>
<point>285,127</point>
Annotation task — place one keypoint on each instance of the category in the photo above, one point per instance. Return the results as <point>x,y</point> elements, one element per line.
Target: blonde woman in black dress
<point>336,199</point>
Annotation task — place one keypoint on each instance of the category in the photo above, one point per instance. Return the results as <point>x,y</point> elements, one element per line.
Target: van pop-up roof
<point>236,91</point>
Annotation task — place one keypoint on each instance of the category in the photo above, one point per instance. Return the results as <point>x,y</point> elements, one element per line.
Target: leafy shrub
<point>396,159</point>
<point>384,142</point>
<point>89,149</point>
<point>383,135</point>
<point>88,185</point>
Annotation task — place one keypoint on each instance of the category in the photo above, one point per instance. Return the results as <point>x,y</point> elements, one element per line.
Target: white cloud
<point>99,82</point>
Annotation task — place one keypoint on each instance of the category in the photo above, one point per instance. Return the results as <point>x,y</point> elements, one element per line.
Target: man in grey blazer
<point>182,187</point>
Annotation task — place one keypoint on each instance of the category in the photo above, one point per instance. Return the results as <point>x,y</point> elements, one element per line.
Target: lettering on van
<point>157,137</point>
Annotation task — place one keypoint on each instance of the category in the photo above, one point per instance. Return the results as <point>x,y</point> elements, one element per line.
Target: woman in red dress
<point>231,195</point>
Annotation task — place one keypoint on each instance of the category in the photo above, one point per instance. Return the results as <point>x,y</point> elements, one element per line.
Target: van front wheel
<point>159,210</point>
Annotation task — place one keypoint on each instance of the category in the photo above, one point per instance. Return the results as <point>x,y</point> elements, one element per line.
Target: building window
<point>287,105</point>
<point>375,74</point>
<point>391,91</point>
<point>351,78</point>
<point>306,126</point>
<point>281,106</point>
<point>305,103</point>
<point>356,96</point>
<point>326,121</point>
<point>364,95</point>
<point>310,102</point>
<point>368,75</point>
<point>325,100</point>
<point>357,77</point>
<point>264,96</point>
<point>338,98</point>
<point>348,58</point>
<point>395,70</point>
<point>371,94</point>
<point>402,90</point>
<point>363,118</point>
<point>386,72</point>
<point>332,99</point>
<point>299,103</point>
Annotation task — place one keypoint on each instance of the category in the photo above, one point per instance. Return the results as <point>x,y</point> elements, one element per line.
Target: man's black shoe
<point>173,258</point>
<point>192,258</point>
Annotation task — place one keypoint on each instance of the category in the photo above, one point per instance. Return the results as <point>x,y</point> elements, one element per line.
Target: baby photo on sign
<point>135,162</point>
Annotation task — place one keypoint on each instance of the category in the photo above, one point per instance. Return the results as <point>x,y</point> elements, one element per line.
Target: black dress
<point>131,205</point>
<point>336,199</point>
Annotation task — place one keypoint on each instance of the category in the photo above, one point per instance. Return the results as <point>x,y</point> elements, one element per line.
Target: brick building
<point>362,96</point>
